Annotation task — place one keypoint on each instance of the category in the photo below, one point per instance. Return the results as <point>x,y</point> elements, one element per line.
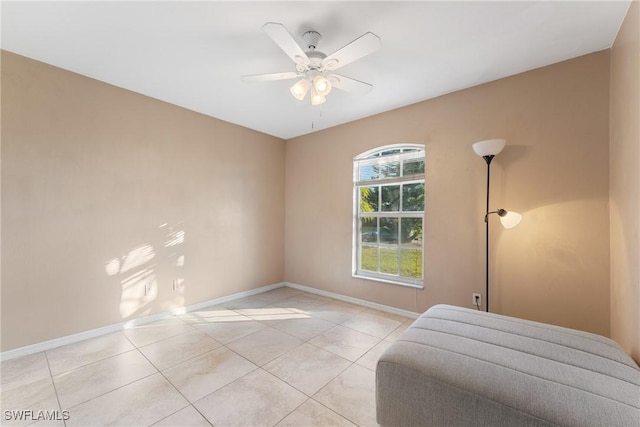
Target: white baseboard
<point>357,301</point>
<point>92,333</point>
<point>70,339</point>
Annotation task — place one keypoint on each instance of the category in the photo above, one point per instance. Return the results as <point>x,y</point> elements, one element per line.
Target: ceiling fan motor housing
<point>311,39</point>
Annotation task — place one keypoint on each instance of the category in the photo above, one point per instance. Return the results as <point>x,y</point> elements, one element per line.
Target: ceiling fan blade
<point>283,39</point>
<point>362,46</point>
<point>268,77</point>
<point>348,84</point>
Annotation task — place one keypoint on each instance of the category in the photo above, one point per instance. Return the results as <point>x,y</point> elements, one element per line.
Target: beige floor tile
<point>205,374</point>
<point>143,402</point>
<point>372,324</point>
<point>74,355</point>
<point>24,370</point>
<point>337,311</point>
<point>345,342</point>
<point>385,314</point>
<point>265,345</point>
<point>92,380</point>
<point>257,399</point>
<point>166,353</point>
<point>307,368</point>
<point>207,356</point>
<point>274,319</point>
<point>187,417</point>
<point>332,314</point>
<point>347,307</point>
<point>210,315</point>
<point>36,396</point>
<point>313,414</point>
<point>271,313</point>
<point>253,301</point>
<point>280,293</point>
<point>370,359</point>
<point>352,395</point>
<point>153,332</point>
<point>304,301</point>
<point>306,328</point>
<point>56,421</point>
<point>226,332</point>
<point>399,330</point>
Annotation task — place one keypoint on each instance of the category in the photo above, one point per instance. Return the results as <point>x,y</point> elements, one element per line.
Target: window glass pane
<point>411,231</point>
<point>412,167</point>
<point>368,172</point>
<point>369,258</point>
<point>388,170</point>
<point>369,199</point>
<point>412,197</point>
<point>368,230</point>
<point>388,152</point>
<point>411,263</point>
<point>390,198</point>
<point>389,260</point>
<point>379,169</point>
<point>388,230</point>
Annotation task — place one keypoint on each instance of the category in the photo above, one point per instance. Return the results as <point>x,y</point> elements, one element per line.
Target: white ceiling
<point>192,54</point>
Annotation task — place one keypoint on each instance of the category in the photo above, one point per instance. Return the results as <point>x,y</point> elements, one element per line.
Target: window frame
<point>368,157</point>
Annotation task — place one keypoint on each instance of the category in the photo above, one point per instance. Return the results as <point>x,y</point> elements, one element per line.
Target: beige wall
<point>104,191</point>
<point>554,267</point>
<point>625,184</point>
<point>98,187</point>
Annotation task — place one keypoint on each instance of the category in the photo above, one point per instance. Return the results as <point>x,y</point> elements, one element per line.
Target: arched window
<point>388,214</point>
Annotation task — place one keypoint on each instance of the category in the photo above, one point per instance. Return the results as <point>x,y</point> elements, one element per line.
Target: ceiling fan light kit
<point>314,68</point>
<point>316,98</point>
<point>299,90</point>
<point>322,85</point>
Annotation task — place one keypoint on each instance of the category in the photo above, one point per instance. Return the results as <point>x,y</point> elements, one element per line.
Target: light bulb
<point>322,85</point>
<point>300,89</point>
<point>316,98</point>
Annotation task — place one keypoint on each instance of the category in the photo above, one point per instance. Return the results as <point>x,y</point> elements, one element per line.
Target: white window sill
<point>389,281</point>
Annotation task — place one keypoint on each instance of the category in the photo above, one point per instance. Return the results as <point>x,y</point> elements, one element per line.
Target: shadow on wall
<point>144,268</point>
<point>553,267</point>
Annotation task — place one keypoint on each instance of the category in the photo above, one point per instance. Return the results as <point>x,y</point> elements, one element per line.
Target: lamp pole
<point>487,149</point>
<point>486,226</point>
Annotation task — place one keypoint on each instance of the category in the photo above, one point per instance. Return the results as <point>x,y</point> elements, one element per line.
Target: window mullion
<point>399,243</point>
<point>384,181</point>
<point>378,242</point>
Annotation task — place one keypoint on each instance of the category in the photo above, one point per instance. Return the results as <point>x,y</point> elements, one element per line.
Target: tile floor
<point>279,358</point>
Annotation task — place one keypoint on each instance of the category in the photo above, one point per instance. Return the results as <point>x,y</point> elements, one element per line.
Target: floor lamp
<point>488,149</point>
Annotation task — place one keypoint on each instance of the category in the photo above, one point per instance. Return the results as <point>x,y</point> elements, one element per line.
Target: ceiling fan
<point>314,69</point>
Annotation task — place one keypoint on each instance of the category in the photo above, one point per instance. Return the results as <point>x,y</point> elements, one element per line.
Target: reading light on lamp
<point>508,219</point>
<point>488,149</point>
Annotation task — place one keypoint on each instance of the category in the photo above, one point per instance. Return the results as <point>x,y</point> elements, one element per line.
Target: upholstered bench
<point>460,367</point>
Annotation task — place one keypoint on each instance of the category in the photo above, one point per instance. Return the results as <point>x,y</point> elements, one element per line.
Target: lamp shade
<point>322,85</point>
<point>489,147</point>
<point>316,98</point>
<point>510,219</point>
<point>300,89</point>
